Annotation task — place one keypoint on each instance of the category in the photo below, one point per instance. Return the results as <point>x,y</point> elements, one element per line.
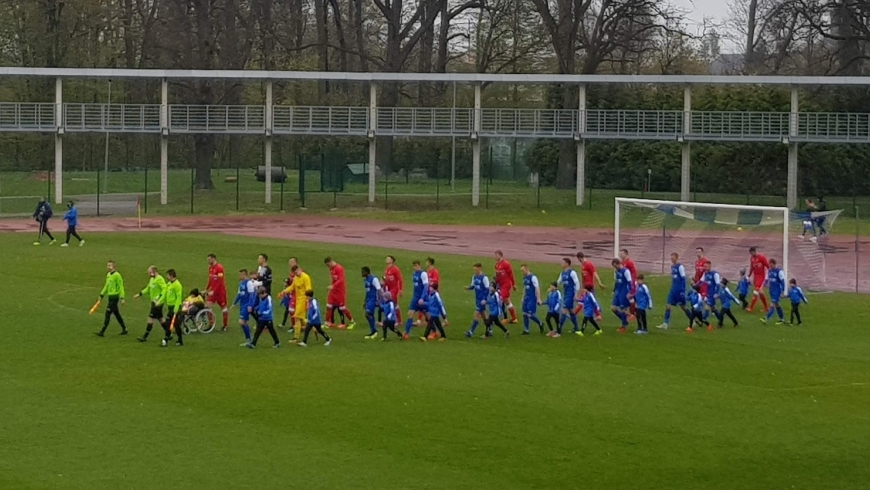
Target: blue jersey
<point>480,286</point>
<point>713,280</point>
<point>622,282</point>
<point>493,302</point>
<point>421,285</point>
<point>727,297</point>
<point>247,295</point>
<point>775,284</point>
<point>389,310</point>
<point>590,305</point>
<point>436,306</point>
<point>695,300</point>
<point>678,278</point>
<point>643,298</point>
<point>554,301</point>
<point>531,286</point>
<point>743,285</point>
<point>570,283</point>
<point>314,317</point>
<point>372,287</point>
<point>264,309</point>
<point>796,295</point>
<point>72,217</point>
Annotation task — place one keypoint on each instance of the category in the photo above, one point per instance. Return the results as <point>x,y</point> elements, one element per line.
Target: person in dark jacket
<point>42,214</point>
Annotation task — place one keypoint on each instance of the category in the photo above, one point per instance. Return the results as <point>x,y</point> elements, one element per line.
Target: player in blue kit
<point>388,310</point>
<point>373,297</point>
<point>696,307</point>
<point>796,296</point>
<point>643,302</point>
<point>246,298</point>
<point>743,289</point>
<point>480,286</point>
<point>419,296</point>
<point>531,299</point>
<point>591,309</point>
<point>727,299</point>
<point>677,293</point>
<point>571,287</point>
<point>265,315</point>
<point>621,289</point>
<point>712,281</point>
<point>494,303</point>
<point>775,288</point>
<point>313,321</point>
<point>434,313</point>
<point>554,306</point>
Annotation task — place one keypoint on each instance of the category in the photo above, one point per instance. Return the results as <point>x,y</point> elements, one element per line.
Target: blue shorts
<point>568,302</point>
<point>620,302</point>
<point>530,307</point>
<point>415,306</point>
<point>479,306</point>
<point>676,298</point>
<point>244,315</point>
<point>711,300</point>
<point>369,307</point>
<point>774,298</point>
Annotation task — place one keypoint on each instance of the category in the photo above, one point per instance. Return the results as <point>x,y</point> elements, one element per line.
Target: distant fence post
<point>192,179</point>
<point>302,180</point>
<point>98,191</point>
<point>145,199</point>
<point>857,247</point>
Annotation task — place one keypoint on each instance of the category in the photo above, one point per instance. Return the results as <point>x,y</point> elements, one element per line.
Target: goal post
<point>653,229</point>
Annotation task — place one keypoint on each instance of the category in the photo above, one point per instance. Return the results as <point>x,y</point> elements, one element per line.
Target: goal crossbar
<point>655,204</point>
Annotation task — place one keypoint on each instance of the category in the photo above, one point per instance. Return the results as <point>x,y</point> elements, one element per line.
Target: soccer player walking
<point>644,302</point>
<point>696,307</point>
<point>373,297</point>
<point>531,299</point>
<point>504,277</point>
<point>313,321</point>
<point>419,296</point>
<point>388,308</point>
<point>246,298</point>
<point>775,287</point>
<point>480,286</point>
<point>393,283</point>
<point>265,319</point>
<point>677,293</point>
<point>589,277</point>
<point>591,309</point>
<point>301,284</point>
<point>743,289</point>
<point>337,297</point>
<point>632,270</point>
<point>42,214</point>
<point>758,268</point>
<point>434,278</point>
<point>727,298</point>
<point>796,296</point>
<point>172,297</point>
<point>712,281</point>
<point>113,290</point>
<point>570,284</point>
<point>435,311</point>
<point>700,269</point>
<point>216,290</point>
<point>554,306</point>
<point>621,291</point>
<point>264,272</point>
<point>493,302</point>
<point>154,290</point>
<point>72,220</point>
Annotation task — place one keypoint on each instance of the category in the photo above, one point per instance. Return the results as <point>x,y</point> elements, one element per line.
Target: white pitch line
<point>65,291</point>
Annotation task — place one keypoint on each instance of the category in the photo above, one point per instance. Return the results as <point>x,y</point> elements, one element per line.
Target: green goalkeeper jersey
<point>154,289</point>
<point>114,285</point>
<point>172,295</point>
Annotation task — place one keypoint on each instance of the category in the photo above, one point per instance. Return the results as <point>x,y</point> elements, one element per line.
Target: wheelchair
<point>200,320</point>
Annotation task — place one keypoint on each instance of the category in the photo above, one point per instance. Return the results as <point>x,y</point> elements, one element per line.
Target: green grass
<point>427,201</point>
<point>768,407</point>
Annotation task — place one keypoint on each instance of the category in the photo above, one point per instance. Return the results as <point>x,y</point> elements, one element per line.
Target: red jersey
<point>393,280</point>
<point>758,267</point>
<point>504,274</point>
<point>587,270</point>
<point>629,264</point>
<point>216,283</point>
<point>339,286</point>
<point>700,269</point>
<point>433,275</point>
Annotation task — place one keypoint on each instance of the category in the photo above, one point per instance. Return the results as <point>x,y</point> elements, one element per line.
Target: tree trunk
<point>322,16</point>
<point>203,145</point>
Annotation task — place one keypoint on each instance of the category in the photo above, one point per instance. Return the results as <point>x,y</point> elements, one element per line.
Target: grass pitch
<point>758,407</point>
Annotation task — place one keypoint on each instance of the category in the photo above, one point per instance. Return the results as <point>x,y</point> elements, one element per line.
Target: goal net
<point>651,230</point>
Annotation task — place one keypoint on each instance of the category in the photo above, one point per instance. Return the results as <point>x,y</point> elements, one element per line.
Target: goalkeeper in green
<point>114,291</point>
<point>172,298</point>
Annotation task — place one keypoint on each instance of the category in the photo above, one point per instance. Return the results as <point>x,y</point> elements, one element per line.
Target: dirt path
<point>518,243</point>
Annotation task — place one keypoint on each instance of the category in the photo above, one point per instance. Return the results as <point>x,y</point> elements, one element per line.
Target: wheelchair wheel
<point>205,320</point>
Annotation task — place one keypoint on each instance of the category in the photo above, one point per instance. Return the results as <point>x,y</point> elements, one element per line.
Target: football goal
<point>651,230</point>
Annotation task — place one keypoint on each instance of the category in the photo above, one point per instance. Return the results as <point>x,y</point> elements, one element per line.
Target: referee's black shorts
<point>156,312</point>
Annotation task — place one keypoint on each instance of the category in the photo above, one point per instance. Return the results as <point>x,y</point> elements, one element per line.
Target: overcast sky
<point>715,10</point>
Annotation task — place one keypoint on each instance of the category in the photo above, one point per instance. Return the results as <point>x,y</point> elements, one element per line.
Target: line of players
<point>708,295</point>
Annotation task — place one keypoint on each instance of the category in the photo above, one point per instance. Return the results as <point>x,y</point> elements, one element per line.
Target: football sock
<point>667,315</point>
<point>409,323</point>
<point>525,323</point>
<point>474,325</point>
<point>247,330</point>
<point>574,321</point>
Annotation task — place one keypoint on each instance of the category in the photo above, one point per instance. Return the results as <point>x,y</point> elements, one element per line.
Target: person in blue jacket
<point>72,220</point>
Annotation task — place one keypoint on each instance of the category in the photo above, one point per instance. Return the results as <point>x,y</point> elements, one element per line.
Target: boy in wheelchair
<point>192,305</point>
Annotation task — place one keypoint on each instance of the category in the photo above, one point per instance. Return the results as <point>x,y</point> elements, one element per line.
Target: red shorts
<point>217,297</point>
<point>758,283</point>
<point>504,293</point>
<point>336,300</point>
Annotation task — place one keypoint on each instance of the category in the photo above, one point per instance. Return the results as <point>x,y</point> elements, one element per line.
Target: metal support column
<point>267,150</point>
<point>475,150</point>
<point>58,142</point>
<point>581,145</point>
<point>686,147</point>
<point>792,183</point>
<point>373,144</point>
<point>164,142</point>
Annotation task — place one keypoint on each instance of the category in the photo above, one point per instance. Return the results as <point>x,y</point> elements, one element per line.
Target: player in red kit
<point>393,283</point>
<point>504,277</point>
<point>758,269</point>
<point>589,279</point>
<point>632,270</point>
<point>337,297</point>
<point>217,288</point>
<point>700,270</point>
